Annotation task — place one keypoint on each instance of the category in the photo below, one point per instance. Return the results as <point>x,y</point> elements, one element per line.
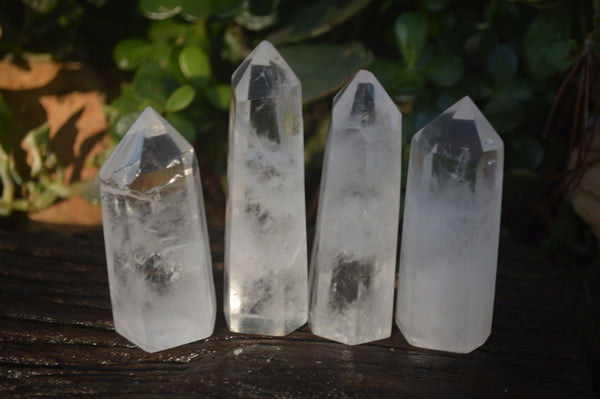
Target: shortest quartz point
<point>158,259</point>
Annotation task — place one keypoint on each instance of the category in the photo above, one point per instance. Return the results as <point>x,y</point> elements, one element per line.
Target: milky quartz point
<point>159,266</point>
<point>447,270</point>
<point>354,254</point>
<point>265,240</point>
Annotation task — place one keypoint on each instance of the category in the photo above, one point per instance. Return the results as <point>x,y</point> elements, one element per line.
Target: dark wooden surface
<point>57,340</point>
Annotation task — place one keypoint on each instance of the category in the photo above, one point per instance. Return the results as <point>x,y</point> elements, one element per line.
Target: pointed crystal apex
<point>362,99</point>
<point>461,132</point>
<point>150,144</point>
<point>263,74</point>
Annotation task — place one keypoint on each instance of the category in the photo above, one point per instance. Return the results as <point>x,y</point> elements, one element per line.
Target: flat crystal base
<point>255,324</point>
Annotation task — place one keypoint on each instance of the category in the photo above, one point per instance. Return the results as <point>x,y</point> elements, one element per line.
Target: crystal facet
<point>158,257</point>
<point>449,251</point>
<point>354,254</point>
<point>265,239</point>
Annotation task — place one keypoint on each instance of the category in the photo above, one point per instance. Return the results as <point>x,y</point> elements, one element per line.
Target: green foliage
<point>195,64</point>
<point>507,57</point>
<point>178,56</point>
<point>411,33</point>
<point>180,98</point>
<point>183,64</point>
<point>546,43</point>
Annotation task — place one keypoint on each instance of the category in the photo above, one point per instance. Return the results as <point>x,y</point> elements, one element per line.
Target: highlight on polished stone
<point>354,254</point>
<point>158,256</point>
<point>447,267</point>
<point>265,237</point>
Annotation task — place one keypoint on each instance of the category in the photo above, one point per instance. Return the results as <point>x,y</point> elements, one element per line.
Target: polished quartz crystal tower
<point>449,252</point>
<point>265,238</point>
<point>354,255</point>
<point>159,266</point>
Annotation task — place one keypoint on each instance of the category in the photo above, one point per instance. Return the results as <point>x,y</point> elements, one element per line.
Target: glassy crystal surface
<point>159,265</point>
<point>447,270</point>
<point>265,238</point>
<point>354,254</point>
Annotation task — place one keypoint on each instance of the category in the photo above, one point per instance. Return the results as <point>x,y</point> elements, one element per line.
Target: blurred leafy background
<point>531,66</point>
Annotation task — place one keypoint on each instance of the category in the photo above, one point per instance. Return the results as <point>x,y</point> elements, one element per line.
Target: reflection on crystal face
<point>156,241</point>
<point>353,259</point>
<point>265,238</point>
<point>363,106</point>
<point>450,234</point>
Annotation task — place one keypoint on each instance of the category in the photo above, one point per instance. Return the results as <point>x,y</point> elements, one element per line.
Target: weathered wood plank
<point>57,340</point>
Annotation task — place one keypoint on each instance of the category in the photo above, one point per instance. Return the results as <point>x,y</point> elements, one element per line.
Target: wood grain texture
<point>57,340</point>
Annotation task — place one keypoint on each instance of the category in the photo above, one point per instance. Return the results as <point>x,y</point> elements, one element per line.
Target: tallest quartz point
<point>265,238</point>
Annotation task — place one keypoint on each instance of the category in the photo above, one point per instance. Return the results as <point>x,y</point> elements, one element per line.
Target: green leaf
<point>41,6</point>
<point>411,35</point>
<point>315,19</point>
<point>444,70</point>
<point>130,53</point>
<point>437,5</point>
<point>194,64</point>
<point>398,80</point>
<point>504,114</point>
<point>192,10</point>
<point>386,71</point>
<point>547,29</point>
<point>182,125</point>
<point>219,96</point>
<point>5,128</point>
<point>127,102</point>
<point>36,142</point>
<point>408,81</point>
<point>322,68</point>
<point>91,191</point>
<point>168,30</point>
<point>159,9</point>
<point>180,98</point>
<point>226,8</point>
<point>518,89</point>
<point>257,15</point>
<point>526,152</point>
<point>503,63</point>
<point>123,124</point>
<point>560,54</point>
<point>196,34</point>
<point>149,85</point>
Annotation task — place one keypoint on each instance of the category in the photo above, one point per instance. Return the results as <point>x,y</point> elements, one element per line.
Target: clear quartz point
<point>447,267</point>
<point>265,238</point>
<point>354,253</point>
<point>158,257</point>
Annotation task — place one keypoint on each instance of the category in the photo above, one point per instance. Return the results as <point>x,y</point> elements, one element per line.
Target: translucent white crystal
<point>159,265</point>
<point>354,255</point>
<point>449,251</point>
<point>265,239</point>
